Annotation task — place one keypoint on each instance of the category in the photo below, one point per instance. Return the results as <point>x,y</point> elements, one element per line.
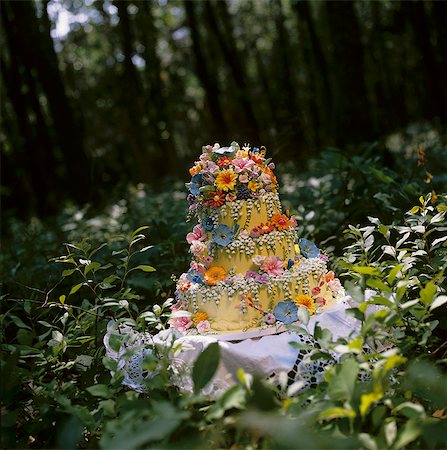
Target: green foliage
<point>57,390</point>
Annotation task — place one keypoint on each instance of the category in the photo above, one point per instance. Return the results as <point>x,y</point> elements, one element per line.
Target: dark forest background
<point>132,89</point>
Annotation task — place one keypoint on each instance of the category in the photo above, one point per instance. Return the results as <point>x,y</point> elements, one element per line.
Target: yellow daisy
<point>226,180</point>
<point>253,186</point>
<point>215,274</point>
<point>199,317</point>
<point>307,301</point>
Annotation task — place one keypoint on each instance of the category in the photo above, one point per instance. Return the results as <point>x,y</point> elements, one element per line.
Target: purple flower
<point>270,319</point>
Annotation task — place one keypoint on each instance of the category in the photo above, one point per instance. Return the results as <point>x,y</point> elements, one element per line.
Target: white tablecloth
<point>267,356</point>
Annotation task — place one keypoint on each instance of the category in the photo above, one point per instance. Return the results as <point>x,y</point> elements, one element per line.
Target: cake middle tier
<point>249,213</point>
<point>238,255</point>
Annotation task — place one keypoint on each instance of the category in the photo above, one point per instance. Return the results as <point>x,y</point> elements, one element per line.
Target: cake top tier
<point>226,174</point>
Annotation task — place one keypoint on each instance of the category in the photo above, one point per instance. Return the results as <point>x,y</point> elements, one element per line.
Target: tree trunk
<point>351,104</point>
<point>229,50</point>
<point>203,72</point>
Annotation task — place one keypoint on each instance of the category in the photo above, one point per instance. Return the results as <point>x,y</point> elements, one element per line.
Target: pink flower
<point>204,157</point>
<point>198,249</point>
<point>270,319</point>
<point>273,266</point>
<point>293,222</point>
<point>176,307</point>
<point>199,268</point>
<point>198,234</point>
<point>203,327</point>
<point>243,178</point>
<point>208,260</point>
<point>255,232</point>
<point>242,164</point>
<point>265,178</point>
<point>244,234</point>
<point>211,167</point>
<point>320,301</point>
<point>258,259</point>
<point>271,165</point>
<point>230,197</point>
<point>181,324</point>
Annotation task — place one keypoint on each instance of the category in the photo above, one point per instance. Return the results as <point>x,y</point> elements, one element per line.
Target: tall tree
<point>351,103</point>
<point>204,74</point>
<point>223,31</point>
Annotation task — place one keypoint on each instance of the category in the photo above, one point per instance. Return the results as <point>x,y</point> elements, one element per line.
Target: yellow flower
<point>199,317</point>
<point>307,301</point>
<point>253,186</point>
<point>215,274</point>
<point>226,180</point>
<point>196,169</point>
<point>241,154</point>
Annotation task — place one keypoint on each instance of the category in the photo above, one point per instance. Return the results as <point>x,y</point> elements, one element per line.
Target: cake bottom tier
<point>247,304</point>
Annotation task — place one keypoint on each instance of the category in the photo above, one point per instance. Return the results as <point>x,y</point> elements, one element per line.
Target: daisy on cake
<point>249,269</point>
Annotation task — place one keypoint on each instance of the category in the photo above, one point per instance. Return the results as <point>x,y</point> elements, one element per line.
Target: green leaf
<point>410,410</point>
<point>205,366</point>
<point>342,381</point>
<point>378,284</point>
<point>428,292</point>
<point>144,268</point>
<point>144,227</point>
<point>410,432</point>
<point>68,272</point>
<point>367,400</point>
<point>19,322</point>
<point>336,413</point>
<point>76,288</point>
<point>367,270</point>
<point>100,390</point>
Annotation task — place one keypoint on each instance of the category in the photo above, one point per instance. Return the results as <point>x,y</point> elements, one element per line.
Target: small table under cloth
<point>266,356</point>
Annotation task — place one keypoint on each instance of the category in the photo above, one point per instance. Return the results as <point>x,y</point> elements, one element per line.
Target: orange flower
<point>269,171</point>
<point>266,228</point>
<point>329,276</point>
<point>280,221</point>
<point>224,161</point>
<point>257,158</point>
<point>226,180</point>
<point>216,198</point>
<point>215,274</point>
<point>307,301</point>
<point>199,317</point>
<point>196,169</point>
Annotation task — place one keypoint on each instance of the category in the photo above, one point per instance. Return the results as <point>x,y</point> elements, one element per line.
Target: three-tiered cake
<point>249,270</point>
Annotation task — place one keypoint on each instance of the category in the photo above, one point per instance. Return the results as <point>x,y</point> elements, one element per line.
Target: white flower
<point>335,285</point>
<point>203,327</point>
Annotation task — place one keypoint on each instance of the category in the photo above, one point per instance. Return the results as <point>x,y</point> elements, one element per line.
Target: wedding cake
<point>249,270</point>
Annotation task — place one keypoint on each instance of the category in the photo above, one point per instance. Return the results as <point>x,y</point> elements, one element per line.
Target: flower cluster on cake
<point>249,269</point>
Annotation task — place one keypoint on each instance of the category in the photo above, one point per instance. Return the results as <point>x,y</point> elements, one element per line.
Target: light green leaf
<point>75,288</point>
<point>144,268</point>
<point>428,292</point>
<point>410,432</point>
<point>367,400</point>
<point>367,270</point>
<point>336,413</point>
<point>410,410</point>
<point>100,390</point>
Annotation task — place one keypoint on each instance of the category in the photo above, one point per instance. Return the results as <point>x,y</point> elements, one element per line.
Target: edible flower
<point>182,323</point>
<point>286,312</point>
<point>198,234</point>
<point>258,259</point>
<point>280,221</point>
<point>307,301</point>
<point>269,319</point>
<point>308,248</point>
<point>226,180</point>
<point>196,184</point>
<point>222,150</point>
<point>242,164</point>
<point>207,223</point>
<point>203,327</point>
<point>215,274</point>
<point>222,235</point>
<point>216,199</point>
<point>199,317</point>
<point>272,266</point>
<point>224,161</point>
<point>253,186</point>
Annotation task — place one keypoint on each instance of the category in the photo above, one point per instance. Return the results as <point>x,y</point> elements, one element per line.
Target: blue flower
<point>290,263</point>
<point>286,312</point>
<point>255,150</point>
<point>225,150</point>
<point>195,277</point>
<point>308,249</point>
<point>207,223</point>
<point>222,235</point>
<point>196,184</point>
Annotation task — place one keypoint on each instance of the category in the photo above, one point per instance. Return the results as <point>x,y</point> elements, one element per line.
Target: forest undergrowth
<point>384,227</point>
